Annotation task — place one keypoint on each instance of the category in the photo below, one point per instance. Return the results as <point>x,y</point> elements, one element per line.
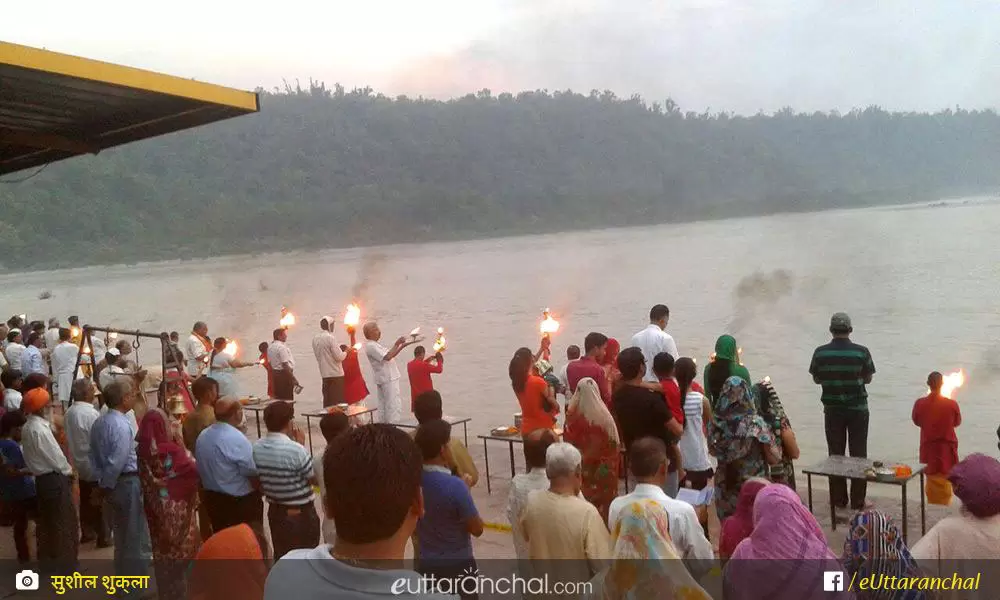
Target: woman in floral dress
<point>591,428</point>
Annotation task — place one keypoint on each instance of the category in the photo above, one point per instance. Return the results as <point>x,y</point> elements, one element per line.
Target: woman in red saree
<point>169,479</point>
<point>590,427</point>
<point>610,364</point>
<point>355,389</point>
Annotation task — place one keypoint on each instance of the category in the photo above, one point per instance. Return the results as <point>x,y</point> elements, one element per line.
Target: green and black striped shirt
<point>841,367</point>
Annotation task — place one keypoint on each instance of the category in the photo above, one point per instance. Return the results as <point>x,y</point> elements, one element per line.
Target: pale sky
<point>736,55</point>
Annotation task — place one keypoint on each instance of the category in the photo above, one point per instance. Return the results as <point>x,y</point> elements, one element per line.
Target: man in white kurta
<point>197,349</point>
<point>63,364</point>
<point>386,373</point>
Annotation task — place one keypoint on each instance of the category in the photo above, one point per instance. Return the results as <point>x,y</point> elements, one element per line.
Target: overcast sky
<point>736,55</point>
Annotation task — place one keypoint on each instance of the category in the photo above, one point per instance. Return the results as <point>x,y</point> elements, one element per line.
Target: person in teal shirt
<point>726,364</point>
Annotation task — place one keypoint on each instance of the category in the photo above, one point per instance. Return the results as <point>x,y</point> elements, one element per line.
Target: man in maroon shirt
<point>587,366</point>
<point>420,369</point>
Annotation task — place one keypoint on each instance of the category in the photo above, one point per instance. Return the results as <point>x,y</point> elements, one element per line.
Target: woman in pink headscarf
<point>786,554</point>
<point>169,479</point>
<point>739,526</point>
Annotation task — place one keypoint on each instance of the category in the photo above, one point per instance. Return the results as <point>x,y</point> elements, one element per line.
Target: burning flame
<point>353,315</point>
<point>548,325</point>
<point>86,350</point>
<point>952,382</point>
<point>74,331</point>
<point>113,335</point>
<point>357,346</point>
<point>440,342</point>
<point>287,318</point>
<point>231,348</point>
<point>767,379</point>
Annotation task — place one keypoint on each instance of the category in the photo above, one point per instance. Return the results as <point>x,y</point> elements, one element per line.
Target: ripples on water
<point>920,284</point>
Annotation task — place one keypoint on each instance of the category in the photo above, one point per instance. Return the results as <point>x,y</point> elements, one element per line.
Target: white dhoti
<point>64,387</point>
<point>389,405</point>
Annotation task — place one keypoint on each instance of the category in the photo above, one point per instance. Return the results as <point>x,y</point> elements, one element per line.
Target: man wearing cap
<point>32,360</point>
<point>113,460</point>
<point>14,348</point>
<point>56,528</point>
<point>330,358</point>
<point>843,368</point>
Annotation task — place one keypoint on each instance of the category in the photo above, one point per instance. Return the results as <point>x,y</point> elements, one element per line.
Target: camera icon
<point>26,581</point>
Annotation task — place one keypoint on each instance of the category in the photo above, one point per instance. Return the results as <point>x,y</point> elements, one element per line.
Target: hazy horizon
<point>717,55</point>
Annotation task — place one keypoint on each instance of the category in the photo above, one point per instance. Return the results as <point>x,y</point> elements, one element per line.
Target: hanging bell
<point>176,406</point>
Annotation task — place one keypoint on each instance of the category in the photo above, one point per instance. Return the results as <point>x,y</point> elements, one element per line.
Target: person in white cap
<point>330,359</point>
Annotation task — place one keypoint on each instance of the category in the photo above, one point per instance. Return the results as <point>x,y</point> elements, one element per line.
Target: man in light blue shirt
<point>114,463</point>
<point>32,360</point>
<point>227,470</point>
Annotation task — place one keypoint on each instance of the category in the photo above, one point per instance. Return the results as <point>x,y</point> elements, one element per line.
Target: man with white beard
<point>385,371</point>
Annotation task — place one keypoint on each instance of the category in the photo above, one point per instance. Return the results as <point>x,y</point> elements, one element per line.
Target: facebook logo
<point>833,581</point>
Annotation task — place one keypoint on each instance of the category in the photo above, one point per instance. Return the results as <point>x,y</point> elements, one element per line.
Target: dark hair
<point>10,421</point>
<point>660,311</point>
<point>34,380</point>
<point>34,337</point>
<point>385,463</point>
<point>220,342</point>
<point>217,346</point>
<point>38,327</point>
<point>646,456</point>
<point>333,424</point>
<point>432,436</point>
<point>427,406</point>
<point>419,351</point>
<point>573,352</point>
<point>594,340</point>
<point>277,333</point>
<point>663,365</point>
<point>202,385</point>
<point>262,347</point>
<point>324,324</point>
<point>13,335</point>
<point>536,444</point>
<point>174,334</point>
<point>114,394</point>
<point>65,334</point>
<point>630,361</point>
<point>716,376</point>
<point>74,320</point>
<point>685,372</point>
<point>520,369</point>
<point>10,376</point>
<point>278,415</point>
<point>935,380</point>
<point>199,325</point>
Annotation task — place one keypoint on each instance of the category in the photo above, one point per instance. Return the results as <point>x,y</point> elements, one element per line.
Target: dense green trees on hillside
<point>322,167</point>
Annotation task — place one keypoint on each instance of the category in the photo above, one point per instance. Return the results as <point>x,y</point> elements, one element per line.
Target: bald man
<point>383,363</point>
<point>228,473</point>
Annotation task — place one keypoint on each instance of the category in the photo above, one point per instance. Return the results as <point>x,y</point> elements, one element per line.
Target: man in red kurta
<point>937,417</point>
<point>420,370</point>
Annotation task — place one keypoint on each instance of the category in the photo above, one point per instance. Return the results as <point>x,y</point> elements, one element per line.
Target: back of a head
<point>114,395</point>
<point>219,344</point>
<point>536,445</point>
<point>333,424</point>
<point>203,387</point>
<point>74,320</point>
<point>663,365</point>
<point>718,372</point>
<point>33,381</point>
<point>646,456</point>
<point>685,371</point>
<point>277,334</point>
<point>573,352</point>
<point>227,409</point>
<point>432,436</point>
<point>12,335</point>
<point>630,363</point>
<point>427,406</point>
<point>34,338</point>
<point>934,381</point>
<point>593,341</point>
<point>11,420</point>
<point>278,415</point>
<point>562,460</point>
<point>262,347</point>
<point>369,330</point>
<point>65,334</point>
<point>519,370</point>
<point>385,463</point>
<point>9,377</point>
<point>419,352</point>
<point>659,313</point>
<point>81,390</point>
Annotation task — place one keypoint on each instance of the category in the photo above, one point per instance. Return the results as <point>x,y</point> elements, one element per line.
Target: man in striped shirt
<point>843,368</point>
<point>286,480</point>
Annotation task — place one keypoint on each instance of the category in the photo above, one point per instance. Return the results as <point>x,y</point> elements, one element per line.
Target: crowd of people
<point>172,490</point>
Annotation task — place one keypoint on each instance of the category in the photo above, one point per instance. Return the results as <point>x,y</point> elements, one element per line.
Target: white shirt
<point>384,371</point>
<point>51,337</point>
<point>521,487</point>
<point>194,349</point>
<point>133,424</point>
<point>329,356</point>
<point>111,374</point>
<point>685,530</point>
<point>80,418</point>
<point>64,358</point>
<point>11,399</point>
<point>42,454</point>
<point>652,340</point>
<point>693,446</point>
<point>278,353</point>
<point>14,352</point>
<point>564,377</point>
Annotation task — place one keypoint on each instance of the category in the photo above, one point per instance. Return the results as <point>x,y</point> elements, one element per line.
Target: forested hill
<point>325,168</point>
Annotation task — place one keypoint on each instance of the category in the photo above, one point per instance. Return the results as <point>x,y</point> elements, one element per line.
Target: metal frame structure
<point>86,341</point>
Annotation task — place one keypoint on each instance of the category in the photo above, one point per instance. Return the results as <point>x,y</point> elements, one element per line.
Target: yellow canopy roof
<point>54,106</point>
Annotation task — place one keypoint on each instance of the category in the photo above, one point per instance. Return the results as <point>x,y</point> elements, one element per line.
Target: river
<point>920,283</point>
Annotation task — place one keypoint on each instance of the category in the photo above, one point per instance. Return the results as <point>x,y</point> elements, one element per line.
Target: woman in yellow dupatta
<point>646,564</point>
